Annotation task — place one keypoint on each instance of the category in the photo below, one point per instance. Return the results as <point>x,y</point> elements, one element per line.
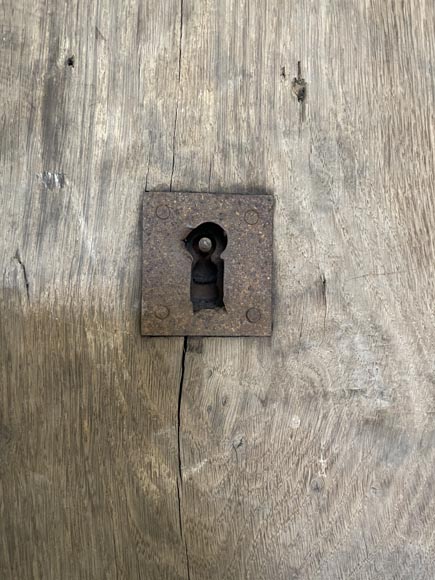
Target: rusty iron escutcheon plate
<point>169,307</point>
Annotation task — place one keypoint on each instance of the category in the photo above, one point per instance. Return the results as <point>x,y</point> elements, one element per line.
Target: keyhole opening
<point>206,244</point>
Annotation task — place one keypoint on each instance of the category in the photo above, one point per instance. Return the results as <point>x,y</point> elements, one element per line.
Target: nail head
<point>162,212</point>
<point>251,217</point>
<point>161,312</point>
<point>253,315</point>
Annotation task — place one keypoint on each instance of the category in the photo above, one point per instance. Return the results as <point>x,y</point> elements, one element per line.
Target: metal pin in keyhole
<point>205,245</point>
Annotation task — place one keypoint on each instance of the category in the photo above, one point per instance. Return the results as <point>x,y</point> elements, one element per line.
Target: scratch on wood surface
<point>98,34</point>
<point>376,274</point>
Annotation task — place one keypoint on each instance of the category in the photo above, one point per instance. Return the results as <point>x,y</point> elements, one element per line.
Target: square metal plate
<point>167,307</point>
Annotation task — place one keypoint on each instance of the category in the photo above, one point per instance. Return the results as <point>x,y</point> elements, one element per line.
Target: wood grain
<point>307,456</point>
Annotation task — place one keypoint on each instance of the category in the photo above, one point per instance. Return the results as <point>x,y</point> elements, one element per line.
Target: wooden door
<point>307,456</point>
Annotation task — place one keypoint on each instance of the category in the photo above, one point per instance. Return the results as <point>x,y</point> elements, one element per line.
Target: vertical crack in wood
<point>183,356</point>
<point>17,257</point>
<point>187,560</point>
<point>174,138</point>
<point>325,303</point>
<point>148,170</point>
<point>209,175</point>
<point>180,470</point>
<point>181,40</point>
<point>180,396</point>
<point>180,523</point>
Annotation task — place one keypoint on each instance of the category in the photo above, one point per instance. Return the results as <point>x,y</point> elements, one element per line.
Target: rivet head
<point>161,312</point>
<point>253,315</point>
<point>162,212</point>
<point>205,245</point>
<point>251,217</point>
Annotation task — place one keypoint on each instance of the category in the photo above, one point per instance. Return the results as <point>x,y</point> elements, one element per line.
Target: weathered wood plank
<point>311,456</point>
<point>306,456</point>
<point>88,427</point>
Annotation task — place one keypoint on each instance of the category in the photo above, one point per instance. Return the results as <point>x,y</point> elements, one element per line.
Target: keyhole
<point>206,244</point>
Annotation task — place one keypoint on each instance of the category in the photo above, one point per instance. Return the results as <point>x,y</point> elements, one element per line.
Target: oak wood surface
<point>306,456</point>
